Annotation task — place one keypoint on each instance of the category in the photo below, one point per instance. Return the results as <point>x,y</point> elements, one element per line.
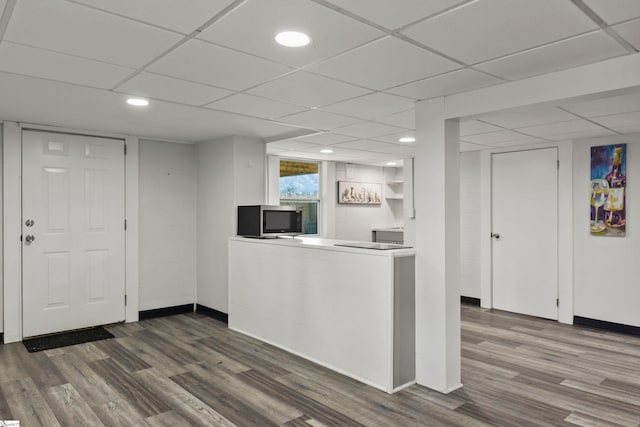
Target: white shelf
<point>400,197</point>
<point>395,182</point>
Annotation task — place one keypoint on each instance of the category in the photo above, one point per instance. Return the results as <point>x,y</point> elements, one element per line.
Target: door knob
<point>29,223</point>
<point>495,235</point>
<point>29,239</point>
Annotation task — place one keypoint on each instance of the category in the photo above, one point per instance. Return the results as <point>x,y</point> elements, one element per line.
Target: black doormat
<point>66,338</point>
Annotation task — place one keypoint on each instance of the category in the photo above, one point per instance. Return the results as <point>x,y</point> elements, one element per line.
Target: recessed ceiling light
<point>407,139</point>
<point>138,102</point>
<point>391,163</point>
<point>326,151</point>
<point>293,39</point>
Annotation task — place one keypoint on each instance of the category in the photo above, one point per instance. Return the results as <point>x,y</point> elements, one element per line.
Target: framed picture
<point>359,193</point>
<point>608,187</point>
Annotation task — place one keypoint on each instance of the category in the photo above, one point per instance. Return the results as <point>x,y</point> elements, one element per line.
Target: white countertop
<point>329,244</point>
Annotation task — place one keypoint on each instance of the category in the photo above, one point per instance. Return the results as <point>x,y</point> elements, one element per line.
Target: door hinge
<point>557,302</point>
<point>125,225</point>
<point>125,300</point>
<point>125,149</point>
<point>558,163</point>
<point>21,237</point>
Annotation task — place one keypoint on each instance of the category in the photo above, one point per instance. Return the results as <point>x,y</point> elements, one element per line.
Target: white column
<point>437,242</point>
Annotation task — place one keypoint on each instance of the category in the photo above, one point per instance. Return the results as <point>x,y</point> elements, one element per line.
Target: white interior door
<point>525,232</point>
<point>73,256</point>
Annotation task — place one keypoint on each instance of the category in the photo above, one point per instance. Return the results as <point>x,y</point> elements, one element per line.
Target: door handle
<point>495,235</point>
<point>29,239</point>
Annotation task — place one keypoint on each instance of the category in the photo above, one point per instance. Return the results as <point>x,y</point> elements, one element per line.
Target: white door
<point>525,232</point>
<point>73,256</point>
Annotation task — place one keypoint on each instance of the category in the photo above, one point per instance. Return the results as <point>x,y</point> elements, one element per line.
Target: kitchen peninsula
<point>351,309</point>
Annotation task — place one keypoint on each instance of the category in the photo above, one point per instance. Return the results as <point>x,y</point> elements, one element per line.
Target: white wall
<point>606,269</point>
<point>1,245</point>
<point>249,171</point>
<point>167,216</point>
<point>354,222</point>
<point>231,171</point>
<point>470,224</point>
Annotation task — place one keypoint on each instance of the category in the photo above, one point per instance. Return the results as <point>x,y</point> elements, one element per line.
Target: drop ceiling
<point>213,69</point>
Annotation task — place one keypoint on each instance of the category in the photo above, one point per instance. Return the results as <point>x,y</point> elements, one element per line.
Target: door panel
<point>73,269</point>
<point>525,216</point>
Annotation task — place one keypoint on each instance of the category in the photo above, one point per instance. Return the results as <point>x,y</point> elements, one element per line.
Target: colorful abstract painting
<point>608,187</point>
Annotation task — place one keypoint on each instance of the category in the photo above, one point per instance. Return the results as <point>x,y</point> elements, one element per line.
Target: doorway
<point>524,231</point>
<point>73,231</point>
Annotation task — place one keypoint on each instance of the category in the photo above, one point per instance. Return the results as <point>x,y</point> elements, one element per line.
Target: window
<point>299,187</point>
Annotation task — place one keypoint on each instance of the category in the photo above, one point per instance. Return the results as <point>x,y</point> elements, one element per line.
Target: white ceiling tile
<point>77,30</point>
<point>325,138</point>
<point>255,106</point>
<point>15,58</point>
<point>518,143</point>
<point>490,138</point>
<point>310,90</point>
<point>48,102</point>
<point>172,89</point>
<point>484,30</point>
<point>606,106</point>
<point>339,152</point>
<point>205,63</point>
<point>594,133</point>
<point>625,130</point>
<point>576,51</point>
<point>616,121</point>
<point>402,63</point>
<point>291,144</point>
<point>446,84</point>
<point>531,116</point>
<point>371,106</point>
<point>367,145</point>
<point>405,119</point>
<point>260,21</point>
<point>163,12</point>
<point>368,130</point>
<point>395,14</point>
<point>614,11</point>
<point>394,138</point>
<point>317,119</point>
<point>474,127</point>
<point>630,31</point>
<point>553,129</point>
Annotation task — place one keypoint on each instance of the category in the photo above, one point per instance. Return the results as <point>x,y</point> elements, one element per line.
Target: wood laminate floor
<point>191,370</point>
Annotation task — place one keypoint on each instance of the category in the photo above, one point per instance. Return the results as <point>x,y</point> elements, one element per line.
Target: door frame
<point>12,222</point>
<point>565,226</point>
